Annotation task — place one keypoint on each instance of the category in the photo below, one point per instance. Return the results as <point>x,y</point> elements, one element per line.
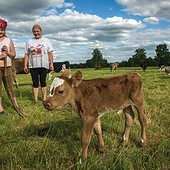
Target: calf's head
<point>62,91</point>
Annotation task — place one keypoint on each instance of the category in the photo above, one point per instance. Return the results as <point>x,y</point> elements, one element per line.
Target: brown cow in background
<point>98,67</point>
<point>113,66</point>
<point>17,68</point>
<point>91,99</point>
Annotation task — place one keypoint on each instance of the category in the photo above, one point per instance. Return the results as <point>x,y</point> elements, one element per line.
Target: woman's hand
<point>4,53</point>
<point>26,69</point>
<point>51,67</point>
<point>4,49</point>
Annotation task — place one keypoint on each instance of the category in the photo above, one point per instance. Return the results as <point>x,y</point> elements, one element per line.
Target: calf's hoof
<point>142,144</point>
<point>100,149</point>
<point>82,160</point>
<point>124,143</point>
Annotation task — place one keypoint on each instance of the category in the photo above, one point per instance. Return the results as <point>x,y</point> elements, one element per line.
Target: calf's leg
<point>88,125</point>
<point>98,132</point>
<point>143,122</point>
<point>129,118</point>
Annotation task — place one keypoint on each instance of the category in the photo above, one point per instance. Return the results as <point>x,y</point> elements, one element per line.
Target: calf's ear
<point>76,79</point>
<point>66,73</point>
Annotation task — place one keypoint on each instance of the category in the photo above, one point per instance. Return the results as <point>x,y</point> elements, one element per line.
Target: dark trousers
<point>39,75</point>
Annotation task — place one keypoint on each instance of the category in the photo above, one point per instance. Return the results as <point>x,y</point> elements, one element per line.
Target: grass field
<point>50,140</point>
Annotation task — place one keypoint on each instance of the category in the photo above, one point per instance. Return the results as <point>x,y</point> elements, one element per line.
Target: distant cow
<point>98,67</point>
<point>165,69</point>
<point>58,65</point>
<point>17,68</point>
<point>144,65</point>
<point>18,65</point>
<point>65,71</point>
<point>113,66</point>
<point>90,99</point>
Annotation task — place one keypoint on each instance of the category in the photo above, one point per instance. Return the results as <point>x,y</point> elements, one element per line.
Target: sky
<point>76,27</point>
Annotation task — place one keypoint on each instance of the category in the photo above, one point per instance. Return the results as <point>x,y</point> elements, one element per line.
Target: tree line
<point>162,57</point>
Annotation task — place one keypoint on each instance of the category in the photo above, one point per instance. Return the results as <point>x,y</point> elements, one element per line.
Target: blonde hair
<point>36,26</point>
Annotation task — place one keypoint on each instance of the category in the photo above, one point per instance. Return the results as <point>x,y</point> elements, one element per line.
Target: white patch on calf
<point>142,141</point>
<point>120,111</point>
<point>124,137</point>
<point>56,82</point>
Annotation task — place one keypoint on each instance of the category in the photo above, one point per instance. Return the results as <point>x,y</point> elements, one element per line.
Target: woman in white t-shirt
<point>39,59</point>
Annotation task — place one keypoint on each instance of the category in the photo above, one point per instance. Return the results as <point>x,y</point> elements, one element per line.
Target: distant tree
<point>89,63</point>
<point>138,58</point>
<point>97,60</point>
<point>131,62</point>
<point>124,64</point>
<point>162,54</point>
<point>97,57</point>
<point>150,61</point>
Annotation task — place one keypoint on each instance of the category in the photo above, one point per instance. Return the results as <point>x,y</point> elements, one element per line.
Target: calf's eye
<point>60,92</point>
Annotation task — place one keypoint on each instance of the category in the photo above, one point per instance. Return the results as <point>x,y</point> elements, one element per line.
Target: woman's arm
<point>26,62</point>
<point>11,52</point>
<point>50,56</point>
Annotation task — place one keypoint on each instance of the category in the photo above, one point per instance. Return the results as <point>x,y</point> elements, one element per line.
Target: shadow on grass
<point>66,131</point>
<point>61,130</point>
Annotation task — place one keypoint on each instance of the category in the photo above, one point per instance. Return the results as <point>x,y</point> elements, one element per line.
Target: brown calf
<point>91,98</point>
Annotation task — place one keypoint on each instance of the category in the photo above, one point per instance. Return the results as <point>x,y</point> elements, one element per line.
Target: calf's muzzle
<point>47,105</point>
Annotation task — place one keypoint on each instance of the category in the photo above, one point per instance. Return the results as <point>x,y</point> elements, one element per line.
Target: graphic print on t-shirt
<point>36,55</point>
<point>36,50</point>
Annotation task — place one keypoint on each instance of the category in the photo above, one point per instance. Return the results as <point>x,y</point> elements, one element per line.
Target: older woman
<point>39,59</point>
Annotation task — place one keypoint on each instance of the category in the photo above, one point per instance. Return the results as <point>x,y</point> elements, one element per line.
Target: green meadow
<point>50,140</point>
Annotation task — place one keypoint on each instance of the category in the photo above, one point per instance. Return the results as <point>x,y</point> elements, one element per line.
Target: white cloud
<point>22,10</point>
<point>153,8</point>
<point>152,20</point>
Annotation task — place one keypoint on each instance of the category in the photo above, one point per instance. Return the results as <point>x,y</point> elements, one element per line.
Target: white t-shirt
<point>37,50</point>
<point>6,42</point>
